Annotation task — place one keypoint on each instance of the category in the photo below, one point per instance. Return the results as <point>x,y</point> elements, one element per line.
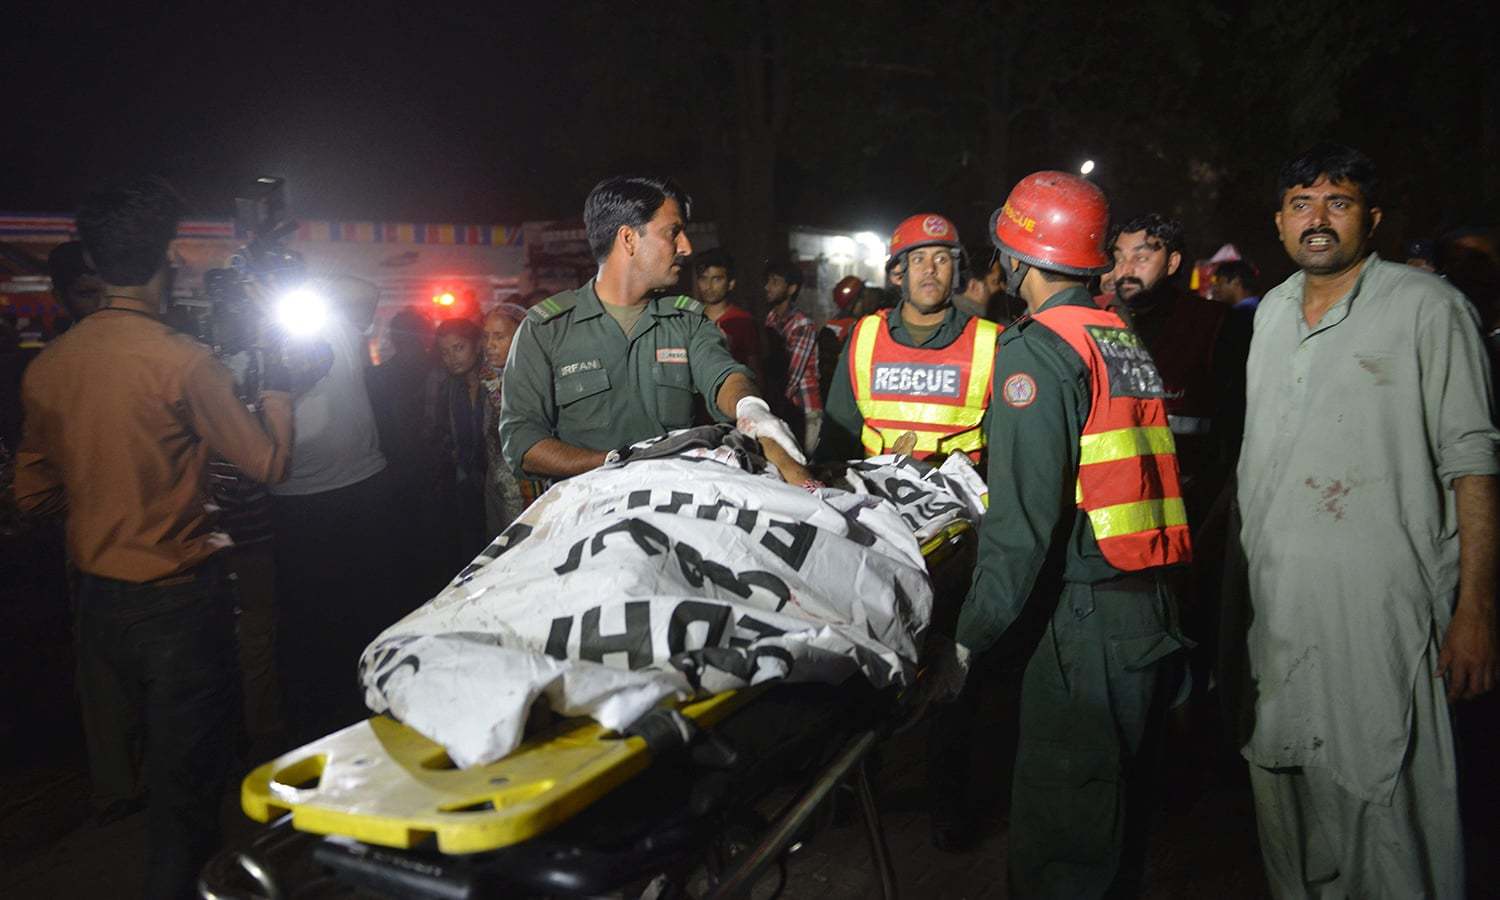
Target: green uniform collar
<point>947,331</point>
<point>587,304</point>
<point>1073,296</point>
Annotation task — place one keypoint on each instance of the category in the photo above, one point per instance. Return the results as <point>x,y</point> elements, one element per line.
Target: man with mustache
<point>923,367</point>
<point>598,368</point>
<point>1198,351</point>
<point>1368,492</point>
<point>1185,336</point>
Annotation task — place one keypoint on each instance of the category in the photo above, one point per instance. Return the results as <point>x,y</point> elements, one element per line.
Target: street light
<point>1087,167</point>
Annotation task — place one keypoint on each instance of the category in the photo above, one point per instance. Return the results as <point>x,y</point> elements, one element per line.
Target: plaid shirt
<point>801,337</point>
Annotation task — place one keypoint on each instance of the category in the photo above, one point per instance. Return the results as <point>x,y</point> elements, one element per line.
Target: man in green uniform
<point>1085,514</point>
<point>926,319</point>
<point>603,366</point>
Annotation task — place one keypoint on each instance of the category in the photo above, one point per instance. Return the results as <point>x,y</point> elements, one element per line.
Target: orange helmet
<point>1054,221</point>
<point>848,290</point>
<point>924,230</point>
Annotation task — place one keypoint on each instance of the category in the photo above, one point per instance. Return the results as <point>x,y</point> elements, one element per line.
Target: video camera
<point>263,302</point>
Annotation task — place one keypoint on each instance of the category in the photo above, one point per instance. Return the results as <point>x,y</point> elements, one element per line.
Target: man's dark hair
<point>464,328</point>
<point>65,264</point>
<point>719,257</point>
<point>1338,162</point>
<point>626,200</point>
<point>787,269</point>
<point>128,228</point>
<point>1236,270</point>
<point>1157,227</point>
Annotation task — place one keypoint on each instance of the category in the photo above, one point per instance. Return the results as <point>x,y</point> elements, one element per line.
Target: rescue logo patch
<point>671,354</point>
<point>1019,390</point>
<point>1127,363</point>
<point>934,226</point>
<point>587,365</point>
<point>916,379</point>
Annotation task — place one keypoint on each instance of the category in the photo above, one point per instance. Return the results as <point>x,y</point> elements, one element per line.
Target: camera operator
<point>335,574</point>
<point>122,414</point>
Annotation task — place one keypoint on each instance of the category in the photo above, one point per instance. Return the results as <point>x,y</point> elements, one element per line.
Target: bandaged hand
<point>753,417</point>
<point>947,670</point>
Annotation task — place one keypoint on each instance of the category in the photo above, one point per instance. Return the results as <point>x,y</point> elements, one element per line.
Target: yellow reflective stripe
<point>916,411</point>
<point>1132,518</point>
<point>983,365</point>
<point>1124,443</point>
<point>866,330</point>
<point>964,441</point>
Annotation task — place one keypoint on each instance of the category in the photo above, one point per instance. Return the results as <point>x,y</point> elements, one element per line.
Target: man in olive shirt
<point>603,366</point>
<point>122,414</point>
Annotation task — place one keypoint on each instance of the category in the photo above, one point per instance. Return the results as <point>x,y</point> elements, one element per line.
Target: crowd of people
<point>1276,510</point>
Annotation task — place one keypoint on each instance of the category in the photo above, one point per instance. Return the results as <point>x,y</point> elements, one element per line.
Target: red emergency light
<point>444,298</point>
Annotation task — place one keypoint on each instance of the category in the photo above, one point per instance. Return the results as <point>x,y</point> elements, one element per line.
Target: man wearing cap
<point>1086,514</point>
<point>924,369</point>
<point>598,368</point>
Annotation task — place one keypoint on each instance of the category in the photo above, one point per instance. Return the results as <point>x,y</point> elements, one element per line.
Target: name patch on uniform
<point>1019,390</point>
<point>916,379</point>
<point>587,365</point>
<point>671,354</point>
<point>1131,371</point>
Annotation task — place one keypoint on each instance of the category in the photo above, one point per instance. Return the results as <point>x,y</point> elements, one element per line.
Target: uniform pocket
<point>1139,652</point>
<point>674,394</point>
<point>578,385</point>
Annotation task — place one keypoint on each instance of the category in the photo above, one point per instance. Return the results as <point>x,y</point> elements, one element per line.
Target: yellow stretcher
<point>382,783</point>
<point>379,783</point>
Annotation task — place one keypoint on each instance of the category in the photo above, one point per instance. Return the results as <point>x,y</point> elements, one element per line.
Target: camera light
<point>301,312</point>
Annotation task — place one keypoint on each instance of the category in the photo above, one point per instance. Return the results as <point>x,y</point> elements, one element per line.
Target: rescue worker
<point>845,294</point>
<point>600,367</point>
<point>833,334</point>
<point>1087,515</point>
<point>923,367</point>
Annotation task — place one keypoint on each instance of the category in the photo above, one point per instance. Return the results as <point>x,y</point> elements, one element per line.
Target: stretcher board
<point>383,783</point>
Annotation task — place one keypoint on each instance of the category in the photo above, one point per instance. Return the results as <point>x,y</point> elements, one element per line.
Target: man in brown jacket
<point>122,415</point>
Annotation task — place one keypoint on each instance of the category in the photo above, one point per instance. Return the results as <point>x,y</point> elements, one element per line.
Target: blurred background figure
<point>792,356</point>
<point>505,495</point>
<point>336,583</point>
<point>457,418</point>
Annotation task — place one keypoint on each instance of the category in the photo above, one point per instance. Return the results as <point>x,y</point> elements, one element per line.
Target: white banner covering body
<point>665,578</point>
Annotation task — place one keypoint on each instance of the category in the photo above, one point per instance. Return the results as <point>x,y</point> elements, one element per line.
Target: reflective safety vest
<point>840,326</point>
<point>1127,473</point>
<point>940,393</point>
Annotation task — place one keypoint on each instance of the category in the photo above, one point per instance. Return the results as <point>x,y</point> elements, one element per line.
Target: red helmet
<point>848,290</point>
<point>1054,221</point>
<point>924,230</point>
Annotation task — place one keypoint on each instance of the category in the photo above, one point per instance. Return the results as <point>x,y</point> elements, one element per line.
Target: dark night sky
<point>380,112</point>
<point>415,111</point>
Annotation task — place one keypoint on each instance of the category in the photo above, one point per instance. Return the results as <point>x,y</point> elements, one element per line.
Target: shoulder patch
<point>1019,390</point>
<point>552,307</point>
<point>687,303</point>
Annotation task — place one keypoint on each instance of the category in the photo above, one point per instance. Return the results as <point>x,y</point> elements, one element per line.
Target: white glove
<point>753,417</point>
<point>947,670</point>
